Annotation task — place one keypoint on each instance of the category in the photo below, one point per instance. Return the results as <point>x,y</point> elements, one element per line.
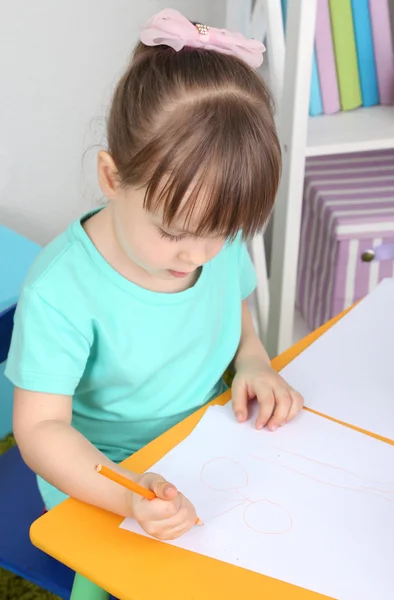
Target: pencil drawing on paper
<point>264,516</point>
<point>325,473</point>
<point>215,474</point>
<point>297,506</point>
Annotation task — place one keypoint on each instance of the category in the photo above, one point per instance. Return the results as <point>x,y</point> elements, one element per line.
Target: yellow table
<point>133,567</point>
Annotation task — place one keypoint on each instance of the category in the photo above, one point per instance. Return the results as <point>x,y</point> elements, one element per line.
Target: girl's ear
<point>107,175</point>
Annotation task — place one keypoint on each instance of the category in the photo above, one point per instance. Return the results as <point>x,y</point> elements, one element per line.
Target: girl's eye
<point>168,236</point>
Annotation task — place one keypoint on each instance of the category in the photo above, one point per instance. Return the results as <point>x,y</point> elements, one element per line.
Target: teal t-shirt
<point>135,361</point>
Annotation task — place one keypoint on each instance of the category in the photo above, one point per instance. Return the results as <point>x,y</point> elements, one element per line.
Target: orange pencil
<point>129,484</point>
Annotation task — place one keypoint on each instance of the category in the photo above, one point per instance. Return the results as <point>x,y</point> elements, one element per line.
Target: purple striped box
<point>348,208</point>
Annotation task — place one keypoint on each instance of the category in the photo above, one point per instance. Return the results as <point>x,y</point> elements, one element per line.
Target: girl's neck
<point>101,231</point>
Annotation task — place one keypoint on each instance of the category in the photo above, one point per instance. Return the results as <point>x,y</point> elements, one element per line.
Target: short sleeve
<point>47,353</point>
<point>247,273</point>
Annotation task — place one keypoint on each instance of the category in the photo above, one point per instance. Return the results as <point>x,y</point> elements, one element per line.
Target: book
<point>365,52</point>
<point>326,59</point>
<point>345,54</point>
<point>383,47</point>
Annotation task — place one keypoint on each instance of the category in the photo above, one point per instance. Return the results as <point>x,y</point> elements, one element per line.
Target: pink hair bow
<point>171,28</point>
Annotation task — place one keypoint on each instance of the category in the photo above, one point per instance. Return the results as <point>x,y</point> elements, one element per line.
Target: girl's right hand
<point>168,516</point>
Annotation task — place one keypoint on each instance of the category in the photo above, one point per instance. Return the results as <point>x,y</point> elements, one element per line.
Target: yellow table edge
<point>89,540</point>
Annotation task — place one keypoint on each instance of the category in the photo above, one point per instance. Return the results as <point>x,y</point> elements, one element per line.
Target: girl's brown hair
<point>196,127</point>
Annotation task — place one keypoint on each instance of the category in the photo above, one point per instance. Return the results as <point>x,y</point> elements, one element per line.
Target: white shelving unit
<point>256,18</point>
<point>302,136</point>
<point>352,131</point>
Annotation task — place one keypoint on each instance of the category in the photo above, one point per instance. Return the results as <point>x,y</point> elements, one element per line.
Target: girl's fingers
<point>296,406</point>
<point>170,529</point>
<point>282,409</point>
<point>266,399</point>
<point>240,400</point>
<point>165,490</point>
<point>172,533</point>
<point>173,521</point>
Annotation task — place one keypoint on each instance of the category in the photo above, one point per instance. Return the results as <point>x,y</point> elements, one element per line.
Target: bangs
<point>221,177</point>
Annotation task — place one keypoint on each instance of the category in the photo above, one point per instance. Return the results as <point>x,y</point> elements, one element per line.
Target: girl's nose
<point>198,254</point>
<point>195,257</point>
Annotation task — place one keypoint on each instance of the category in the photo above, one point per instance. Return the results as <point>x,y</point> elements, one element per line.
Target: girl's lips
<point>178,274</point>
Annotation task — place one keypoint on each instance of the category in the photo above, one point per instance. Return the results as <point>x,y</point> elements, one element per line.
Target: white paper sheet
<point>348,373</point>
<point>311,504</point>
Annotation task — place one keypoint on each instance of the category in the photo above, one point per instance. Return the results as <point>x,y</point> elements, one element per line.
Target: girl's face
<point>163,252</point>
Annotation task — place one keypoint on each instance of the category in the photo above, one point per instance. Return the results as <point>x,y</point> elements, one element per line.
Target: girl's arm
<point>51,447</point>
<point>64,458</point>
<point>250,346</point>
<point>255,378</point>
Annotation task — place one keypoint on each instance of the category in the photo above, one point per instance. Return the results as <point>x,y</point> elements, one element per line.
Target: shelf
<point>351,131</point>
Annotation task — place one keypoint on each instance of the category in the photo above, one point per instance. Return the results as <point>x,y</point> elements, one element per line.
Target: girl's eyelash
<point>168,236</point>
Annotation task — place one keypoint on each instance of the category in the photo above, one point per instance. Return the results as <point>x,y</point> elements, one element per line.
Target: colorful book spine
<point>345,53</point>
<point>383,47</point>
<point>365,52</point>
<point>315,104</point>
<point>284,12</point>
<point>326,59</point>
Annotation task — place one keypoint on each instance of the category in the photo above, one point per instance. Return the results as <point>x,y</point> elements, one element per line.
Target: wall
<point>58,64</point>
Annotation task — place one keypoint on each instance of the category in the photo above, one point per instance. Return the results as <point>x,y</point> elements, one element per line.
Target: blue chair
<point>20,505</point>
<point>6,326</point>
<point>6,388</point>
<point>16,255</point>
<point>20,502</point>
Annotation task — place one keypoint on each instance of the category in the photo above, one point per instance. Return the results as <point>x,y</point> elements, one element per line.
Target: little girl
<point>128,320</point>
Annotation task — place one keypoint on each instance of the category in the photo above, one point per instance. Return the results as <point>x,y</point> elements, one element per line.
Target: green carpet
<point>13,587</point>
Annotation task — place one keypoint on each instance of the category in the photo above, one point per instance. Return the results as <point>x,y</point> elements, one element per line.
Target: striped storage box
<point>348,211</point>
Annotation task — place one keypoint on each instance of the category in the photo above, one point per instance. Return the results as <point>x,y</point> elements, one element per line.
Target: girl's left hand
<point>279,403</point>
